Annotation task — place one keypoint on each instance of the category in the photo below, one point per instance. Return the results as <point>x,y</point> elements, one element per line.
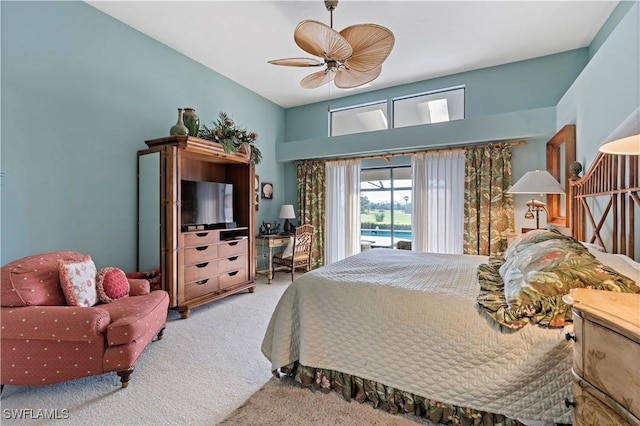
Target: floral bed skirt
<point>389,399</point>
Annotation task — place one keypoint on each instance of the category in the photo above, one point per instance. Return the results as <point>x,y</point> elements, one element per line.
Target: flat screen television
<point>207,203</point>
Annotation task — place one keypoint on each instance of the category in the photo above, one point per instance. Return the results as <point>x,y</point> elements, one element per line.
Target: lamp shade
<point>625,139</point>
<point>286,212</point>
<point>536,182</point>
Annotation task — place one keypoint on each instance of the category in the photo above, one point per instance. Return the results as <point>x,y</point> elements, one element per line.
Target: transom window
<point>359,119</point>
<point>429,108</point>
<point>424,108</point>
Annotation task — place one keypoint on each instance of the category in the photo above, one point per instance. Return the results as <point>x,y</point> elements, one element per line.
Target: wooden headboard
<point>605,201</point>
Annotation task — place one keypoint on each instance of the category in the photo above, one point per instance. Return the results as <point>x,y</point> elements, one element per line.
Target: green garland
<point>231,137</point>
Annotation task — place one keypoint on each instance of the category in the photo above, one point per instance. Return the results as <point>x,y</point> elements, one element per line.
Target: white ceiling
<point>433,38</point>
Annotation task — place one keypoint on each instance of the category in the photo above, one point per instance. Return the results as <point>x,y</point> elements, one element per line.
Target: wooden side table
<point>606,370</point>
<point>270,242</point>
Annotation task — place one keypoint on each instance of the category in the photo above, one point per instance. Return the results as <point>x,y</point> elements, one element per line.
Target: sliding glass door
<point>385,206</point>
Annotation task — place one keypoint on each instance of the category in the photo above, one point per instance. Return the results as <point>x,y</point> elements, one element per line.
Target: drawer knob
<point>233,259</point>
<point>202,248</point>
<point>202,265</point>
<point>568,403</point>
<point>202,282</point>
<point>570,336</point>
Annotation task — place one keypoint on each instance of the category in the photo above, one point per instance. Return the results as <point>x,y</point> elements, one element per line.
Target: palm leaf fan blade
<point>347,79</point>
<point>316,79</point>
<point>320,40</point>
<point>371,45</point>
<point>297,62</point>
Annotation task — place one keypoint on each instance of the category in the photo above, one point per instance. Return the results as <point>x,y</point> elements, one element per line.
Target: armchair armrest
<point>67,323</point>
<point>138,287</point>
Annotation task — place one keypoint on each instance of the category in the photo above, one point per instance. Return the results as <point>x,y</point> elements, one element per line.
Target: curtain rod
<point>408,153</point>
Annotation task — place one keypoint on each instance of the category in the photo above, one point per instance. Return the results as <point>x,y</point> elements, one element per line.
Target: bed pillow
<point>591,247</point>
<point>78,281</point>
<point>533,237</point>
<point>621,263</point>
<point>529,285</point>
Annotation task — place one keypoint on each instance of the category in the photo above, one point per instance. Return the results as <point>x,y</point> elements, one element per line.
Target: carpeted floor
<point>281,402</point>
<point>205,367</point>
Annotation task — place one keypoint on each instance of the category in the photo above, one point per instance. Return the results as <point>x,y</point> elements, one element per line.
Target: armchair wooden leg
<point>160,334</point>
<point>125,376</point>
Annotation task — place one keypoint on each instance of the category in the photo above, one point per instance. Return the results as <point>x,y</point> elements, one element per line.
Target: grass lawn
<point>400,217</point>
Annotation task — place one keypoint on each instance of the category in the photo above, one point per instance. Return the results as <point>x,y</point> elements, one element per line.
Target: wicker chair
<point>299,255</point>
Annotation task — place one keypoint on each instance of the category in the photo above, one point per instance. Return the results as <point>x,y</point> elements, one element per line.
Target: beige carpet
<point>281,402</point>
<point>204,368</point>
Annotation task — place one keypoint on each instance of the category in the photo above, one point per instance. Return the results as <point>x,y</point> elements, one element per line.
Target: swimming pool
<point>397,235</point>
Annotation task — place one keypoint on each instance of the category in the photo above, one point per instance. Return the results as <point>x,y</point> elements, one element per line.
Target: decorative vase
<point>192,121</point>
<point>179,129</point>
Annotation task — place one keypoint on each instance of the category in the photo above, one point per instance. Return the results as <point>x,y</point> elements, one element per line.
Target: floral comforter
<point>410,320</point>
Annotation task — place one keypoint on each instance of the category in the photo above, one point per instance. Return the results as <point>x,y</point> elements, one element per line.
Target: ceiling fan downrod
<point>331,5</point>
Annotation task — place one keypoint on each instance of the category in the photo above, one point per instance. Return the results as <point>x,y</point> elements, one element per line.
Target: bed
<point>445,337</point>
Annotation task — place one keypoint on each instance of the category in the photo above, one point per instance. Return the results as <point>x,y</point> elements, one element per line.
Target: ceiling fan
<point>352,57</point>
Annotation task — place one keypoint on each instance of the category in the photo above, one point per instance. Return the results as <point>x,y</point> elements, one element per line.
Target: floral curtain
<point>311,204</point>
<point>488,209</point>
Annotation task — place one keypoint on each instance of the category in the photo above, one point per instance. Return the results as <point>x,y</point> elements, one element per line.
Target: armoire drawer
<point>232,263</point>
<point>232,248</point>
<point>200,254</point>
<point>200,288</point>
<point>231,278</point>
<point>200,271</point>
<point>202,238</point>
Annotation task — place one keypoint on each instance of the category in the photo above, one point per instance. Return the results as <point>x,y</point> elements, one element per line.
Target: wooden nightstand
<point>606,357</point>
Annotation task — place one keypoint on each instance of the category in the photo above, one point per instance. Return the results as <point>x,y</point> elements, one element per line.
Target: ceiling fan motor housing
<point>331,4</point>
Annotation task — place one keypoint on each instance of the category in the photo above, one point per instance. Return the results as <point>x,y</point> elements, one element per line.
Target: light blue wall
<point>594,88</point>
<point>607,90</point>
<point>610,25</point>
<point>508,102</point>
<point>81,92</point>
<point>518,86</point>
<point>604,94</point>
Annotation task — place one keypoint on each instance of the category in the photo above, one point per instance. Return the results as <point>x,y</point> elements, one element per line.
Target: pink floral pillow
<point>78,280</point>
<point>112,284</point>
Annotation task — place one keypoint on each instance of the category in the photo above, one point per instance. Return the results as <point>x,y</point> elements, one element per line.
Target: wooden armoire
<point>198,264</point>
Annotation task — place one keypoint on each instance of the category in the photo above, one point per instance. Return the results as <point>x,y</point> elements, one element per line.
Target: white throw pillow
<point>288,250</point>
<point>78,281</point>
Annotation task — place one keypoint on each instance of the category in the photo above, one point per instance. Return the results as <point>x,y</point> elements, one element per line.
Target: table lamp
<point>625,139</point>
<point>536,182</point>
<point>286,213</point>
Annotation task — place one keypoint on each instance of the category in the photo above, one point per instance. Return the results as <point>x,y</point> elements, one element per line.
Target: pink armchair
<point>44,341</point>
